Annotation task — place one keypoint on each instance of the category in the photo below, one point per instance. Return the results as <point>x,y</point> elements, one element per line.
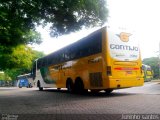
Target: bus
<point>148,72</point>
<point>106,59</point>
<point>25,80</point>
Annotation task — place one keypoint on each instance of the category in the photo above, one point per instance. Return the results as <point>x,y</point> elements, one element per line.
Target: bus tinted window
<point>85,47</point>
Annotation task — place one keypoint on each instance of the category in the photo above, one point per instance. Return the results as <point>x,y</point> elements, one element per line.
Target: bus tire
<point>39,86</point>
<point>108,91</point>
<point>79,86</point>
<point>69,85</point>
<point>58,88</point>
<point>95,91</point>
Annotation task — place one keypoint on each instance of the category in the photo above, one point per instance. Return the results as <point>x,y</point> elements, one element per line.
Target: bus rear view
<point>124,66</point>
<point>106,59</point>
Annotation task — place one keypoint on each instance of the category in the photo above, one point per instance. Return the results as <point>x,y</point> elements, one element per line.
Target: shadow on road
<point>88,94</point>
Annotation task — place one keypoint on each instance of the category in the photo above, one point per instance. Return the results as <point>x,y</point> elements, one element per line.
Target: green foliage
<point>19,61</point>
<point>37,54</point>
<point>13,73</point>
<point>15,27</point>
<point>20,57</point>
<point>19,18</point>
<point>12,50</point>
<point>4,76</point>
<point>154,63</point>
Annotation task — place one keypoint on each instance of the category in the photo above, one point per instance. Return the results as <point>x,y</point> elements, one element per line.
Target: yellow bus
<point>148,72</point>
<point>106,59</point>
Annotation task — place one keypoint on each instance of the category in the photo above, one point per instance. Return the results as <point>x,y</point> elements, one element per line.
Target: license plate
<point>128,72</point>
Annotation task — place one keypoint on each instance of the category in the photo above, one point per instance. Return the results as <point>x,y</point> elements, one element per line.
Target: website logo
<point>124,36</point>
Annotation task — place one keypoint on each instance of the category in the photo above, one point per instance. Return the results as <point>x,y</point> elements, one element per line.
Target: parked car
<point>23,83</point>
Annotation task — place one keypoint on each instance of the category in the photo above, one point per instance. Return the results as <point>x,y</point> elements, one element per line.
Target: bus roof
<point>74,43</point>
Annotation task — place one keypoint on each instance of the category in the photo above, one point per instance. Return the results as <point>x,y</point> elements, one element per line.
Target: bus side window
<point>39,64</point>
<point>67,55</point>
<point>34,70</point>
<point>72,53</point>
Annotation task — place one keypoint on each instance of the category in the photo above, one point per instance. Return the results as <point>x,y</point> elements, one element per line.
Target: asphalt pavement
<point>29,103</point>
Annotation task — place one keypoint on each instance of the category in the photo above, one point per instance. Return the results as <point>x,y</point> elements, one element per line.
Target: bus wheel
<point>69,85</point>
<point>79,86</point>
<point>39,86</point>
<point>95,91</point>
<point>108,91</point>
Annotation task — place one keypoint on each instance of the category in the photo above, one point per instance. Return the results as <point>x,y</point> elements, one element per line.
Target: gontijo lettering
<point>123,47</point>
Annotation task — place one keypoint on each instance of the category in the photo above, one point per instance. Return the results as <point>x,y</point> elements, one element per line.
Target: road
<point>29,102</point>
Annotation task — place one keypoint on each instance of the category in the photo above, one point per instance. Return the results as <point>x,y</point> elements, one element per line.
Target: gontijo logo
<point>123,45</point>
<point>124,36</point>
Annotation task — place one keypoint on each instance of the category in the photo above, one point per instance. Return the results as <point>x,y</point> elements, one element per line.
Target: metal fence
<point>4,83</point>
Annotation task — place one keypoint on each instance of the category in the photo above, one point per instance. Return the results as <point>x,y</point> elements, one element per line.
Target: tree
<point>20,61</point>
<point>2,76</point>
<point>19,18</point>
<point>20,57</point>
<point>153,62</point>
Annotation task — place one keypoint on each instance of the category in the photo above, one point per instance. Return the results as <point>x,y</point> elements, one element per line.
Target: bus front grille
<point>95,79</point>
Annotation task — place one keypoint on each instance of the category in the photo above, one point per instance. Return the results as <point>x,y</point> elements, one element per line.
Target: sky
<point>141,15</point>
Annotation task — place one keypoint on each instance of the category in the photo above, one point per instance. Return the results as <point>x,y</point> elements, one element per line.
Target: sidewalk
<point>157,80</point>
<point>152,87</point>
